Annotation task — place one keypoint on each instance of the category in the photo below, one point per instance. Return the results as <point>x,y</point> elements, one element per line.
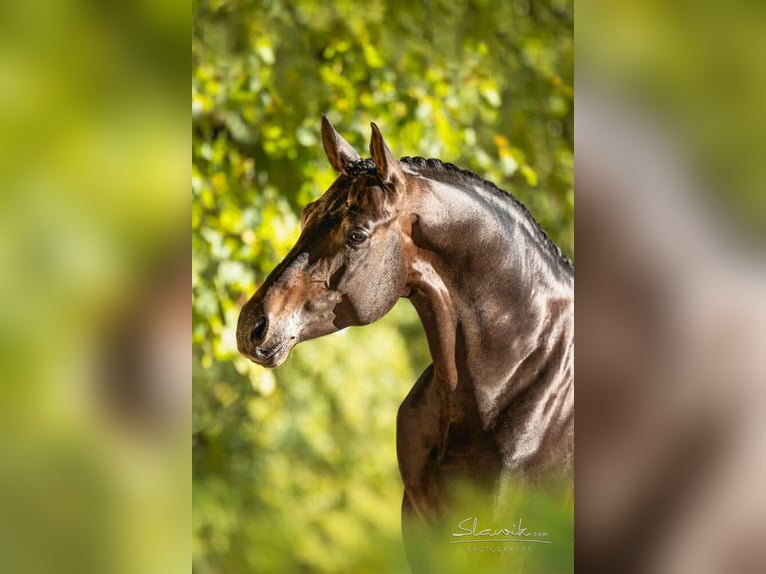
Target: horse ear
<point>339,151</point>
<point>385,162</point>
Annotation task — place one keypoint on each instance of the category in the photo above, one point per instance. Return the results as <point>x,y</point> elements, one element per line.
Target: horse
<point>494,294</point>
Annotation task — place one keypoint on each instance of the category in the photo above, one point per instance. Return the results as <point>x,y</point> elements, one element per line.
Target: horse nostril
<point>258,331</point>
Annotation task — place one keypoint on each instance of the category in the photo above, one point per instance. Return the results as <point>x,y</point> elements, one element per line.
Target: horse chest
<point>433,449</point>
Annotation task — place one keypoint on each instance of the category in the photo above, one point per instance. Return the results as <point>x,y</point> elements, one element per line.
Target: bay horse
<point>494,294</point>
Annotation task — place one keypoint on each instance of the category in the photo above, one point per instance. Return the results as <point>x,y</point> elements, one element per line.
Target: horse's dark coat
<point>495,296</point>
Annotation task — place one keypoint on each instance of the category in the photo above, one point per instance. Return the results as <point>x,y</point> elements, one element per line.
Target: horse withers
<point>494,294</point>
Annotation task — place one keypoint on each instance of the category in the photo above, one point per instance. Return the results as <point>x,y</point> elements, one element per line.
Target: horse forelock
<point>349,192</point>
<point>361,167</point>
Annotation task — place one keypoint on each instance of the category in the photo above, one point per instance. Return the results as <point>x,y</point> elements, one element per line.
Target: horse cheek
<point>387,288</point>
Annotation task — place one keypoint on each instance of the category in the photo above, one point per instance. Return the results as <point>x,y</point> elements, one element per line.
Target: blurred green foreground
<point>294,470</point>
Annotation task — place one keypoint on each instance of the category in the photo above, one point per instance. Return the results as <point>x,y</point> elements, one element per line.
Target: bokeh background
<point>294,469</point>
<point>671,287</point>
<point>95,364</point>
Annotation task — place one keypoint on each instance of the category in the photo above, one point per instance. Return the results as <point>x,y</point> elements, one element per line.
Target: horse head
<point>349,265</point>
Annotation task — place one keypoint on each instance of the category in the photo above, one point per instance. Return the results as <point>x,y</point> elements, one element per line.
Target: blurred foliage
<point>93,179</point>
<point>697,67</point>
<point>295,469</point>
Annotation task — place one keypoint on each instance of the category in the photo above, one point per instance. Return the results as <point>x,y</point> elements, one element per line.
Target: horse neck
<point>495,307</point>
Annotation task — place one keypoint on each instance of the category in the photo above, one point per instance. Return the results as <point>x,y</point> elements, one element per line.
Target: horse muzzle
<point>261,341</point>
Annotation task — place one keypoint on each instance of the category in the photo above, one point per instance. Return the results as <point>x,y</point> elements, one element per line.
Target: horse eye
<point>357,236</point>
